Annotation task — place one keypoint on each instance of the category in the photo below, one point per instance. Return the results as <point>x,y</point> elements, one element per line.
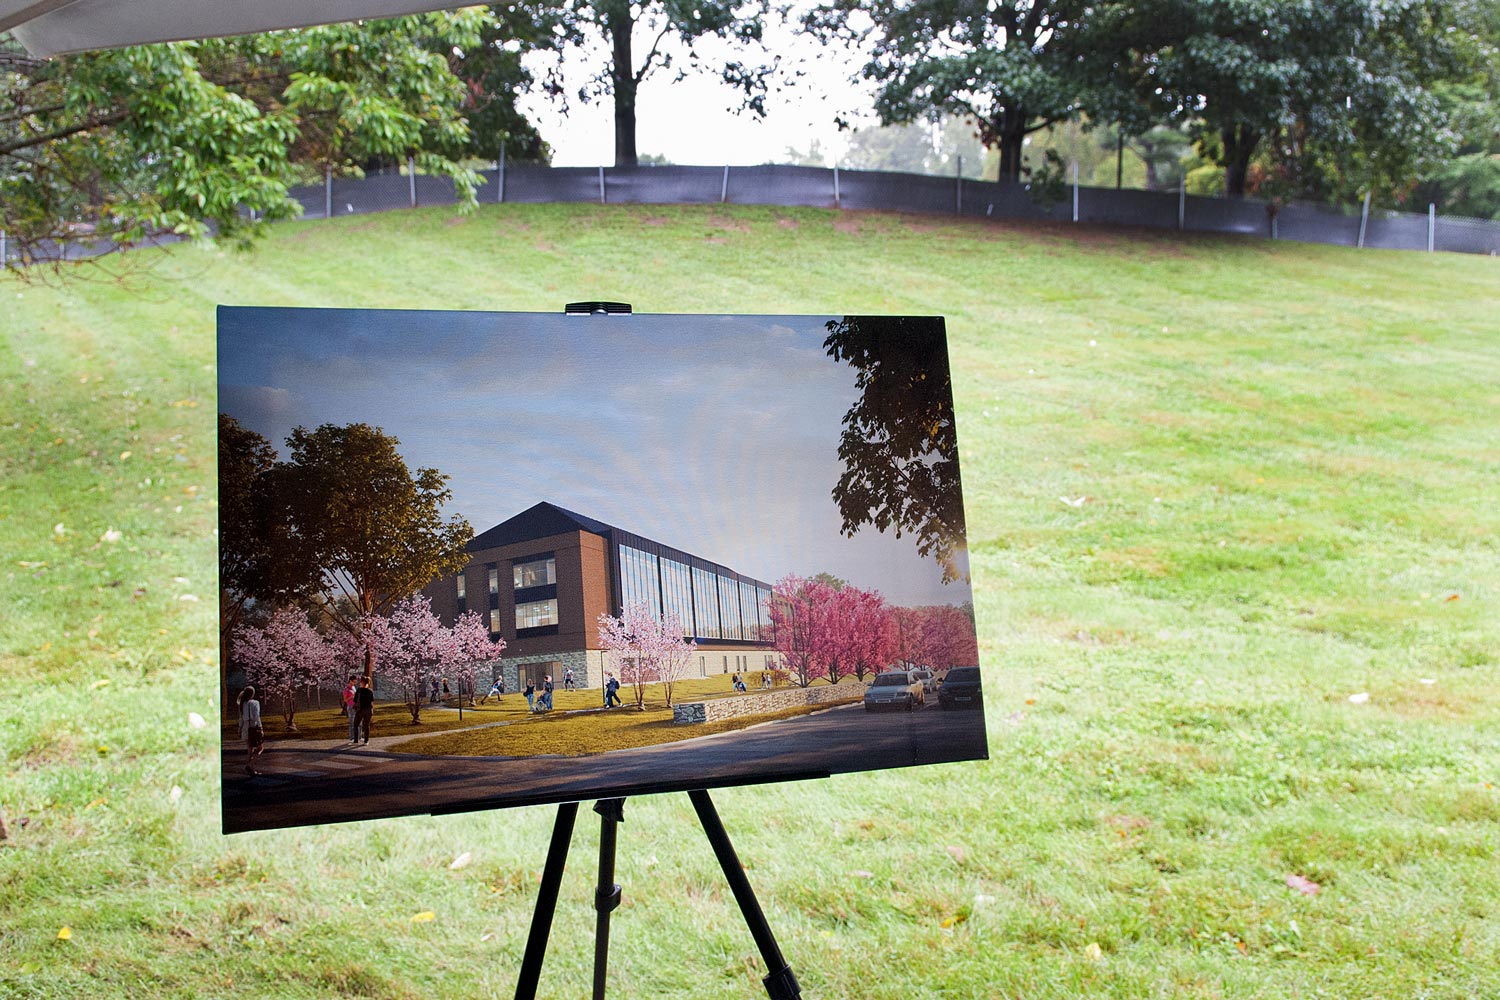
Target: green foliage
<point>1335,94</point>
<point>356,510</point>
<point>200,138</point>
<point>916,147</point>
<point>1011,67</point>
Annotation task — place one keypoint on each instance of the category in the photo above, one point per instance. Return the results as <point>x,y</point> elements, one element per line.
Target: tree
<point>619,22</point>
<point>494,73</point>
<point>1468,183</point>
<point>413,645</point>
<point>472,646</point>
<point>283,656</point>
<point>374,529</point>
<point>1010,67</point>
<point>200,138</point>
<point>899,446</point>
<point>1333,93</point>
<point>873,631</point>
<point>255,561</point>
<point>647,648</point>
<point>798,613</point>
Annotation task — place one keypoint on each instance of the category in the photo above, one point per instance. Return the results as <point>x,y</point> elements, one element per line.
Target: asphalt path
<point>302,784</point>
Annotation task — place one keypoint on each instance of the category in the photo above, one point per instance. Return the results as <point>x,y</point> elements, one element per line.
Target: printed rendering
<point>482,559</point>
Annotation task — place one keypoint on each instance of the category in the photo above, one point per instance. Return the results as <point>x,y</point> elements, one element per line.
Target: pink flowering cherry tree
<point>282,656</point>
<point>799,623</point>
<point>471,647</point>
<point>872,627</point>
<point>648,649</point>
<point>415,645</point>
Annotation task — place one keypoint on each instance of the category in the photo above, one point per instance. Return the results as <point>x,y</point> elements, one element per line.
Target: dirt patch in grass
<point>582,734</point>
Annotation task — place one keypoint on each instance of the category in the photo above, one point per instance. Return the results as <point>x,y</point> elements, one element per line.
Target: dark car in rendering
<point>960,689</point>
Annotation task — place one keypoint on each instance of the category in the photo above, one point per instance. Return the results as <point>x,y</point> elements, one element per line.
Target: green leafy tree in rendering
<point>374,528</point>
<point>899,446</point>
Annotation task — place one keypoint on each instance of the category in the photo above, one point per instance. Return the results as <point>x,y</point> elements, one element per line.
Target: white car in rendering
<point>894,689</point>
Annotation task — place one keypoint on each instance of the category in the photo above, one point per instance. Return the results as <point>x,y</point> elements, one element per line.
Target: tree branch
<point>114,118</point>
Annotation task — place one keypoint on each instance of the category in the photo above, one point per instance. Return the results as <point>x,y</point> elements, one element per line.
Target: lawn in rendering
<point>771,582</point>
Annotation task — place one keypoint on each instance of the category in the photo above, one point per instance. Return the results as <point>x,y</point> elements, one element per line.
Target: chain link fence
<point>816,187</point>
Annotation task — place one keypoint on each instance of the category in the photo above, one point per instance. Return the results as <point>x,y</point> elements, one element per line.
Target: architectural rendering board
<point>481,559</point>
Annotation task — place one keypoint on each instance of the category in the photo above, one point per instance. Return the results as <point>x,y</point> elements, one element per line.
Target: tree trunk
<point>622,75</point>
<point>1239,145</point>
<point>1010,133</point>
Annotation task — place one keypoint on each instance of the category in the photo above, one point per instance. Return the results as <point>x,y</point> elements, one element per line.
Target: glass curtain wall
<point>706,601</point>
<point>729,609</point>
<point>677,592</point>
<point>639,580</point>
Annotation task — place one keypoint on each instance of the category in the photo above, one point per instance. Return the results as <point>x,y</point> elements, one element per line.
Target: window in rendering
<point>749,622</point>
<point>677,592</point>
<point>494,583</point>
<point>461,594</point>
<point>494,621</point>
<point>639,583</point>
<point>729,609</point>
<point>535,614</point>
<point>706,605</point>
<point>534,572</point>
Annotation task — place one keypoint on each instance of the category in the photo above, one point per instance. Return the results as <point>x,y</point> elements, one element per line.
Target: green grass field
<point>1280,466</point>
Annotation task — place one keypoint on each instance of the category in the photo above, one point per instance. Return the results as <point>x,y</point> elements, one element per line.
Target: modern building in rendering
<point>542,579</point>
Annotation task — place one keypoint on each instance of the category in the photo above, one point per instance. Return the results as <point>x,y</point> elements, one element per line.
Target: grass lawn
<point>1215,488</point>
<point>583,733</point>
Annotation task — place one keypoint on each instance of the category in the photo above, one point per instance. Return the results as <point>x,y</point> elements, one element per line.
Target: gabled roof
<point>540,521</point>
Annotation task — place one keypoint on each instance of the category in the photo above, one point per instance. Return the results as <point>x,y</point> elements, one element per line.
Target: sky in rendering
<point>717,435</point>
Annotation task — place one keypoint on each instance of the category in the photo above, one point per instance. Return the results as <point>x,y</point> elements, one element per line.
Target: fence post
<point>500,177</point>
<point>1364,219</point>
<point>2,250</point>
<point>411,176</point>
<point>837,203</point>
<point>1182,201</point>
<point>601,184</point>
<point>724,187</point>
<point>1075,190</point>
<point>1431,225</point>
<point>958,187</point>
<point>327,190</point>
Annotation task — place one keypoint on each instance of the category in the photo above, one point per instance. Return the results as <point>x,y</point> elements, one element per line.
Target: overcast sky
<point>691,121</point>
<point>715,435</point>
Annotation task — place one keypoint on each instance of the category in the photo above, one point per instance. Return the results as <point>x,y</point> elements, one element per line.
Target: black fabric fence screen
<point>816,187</point>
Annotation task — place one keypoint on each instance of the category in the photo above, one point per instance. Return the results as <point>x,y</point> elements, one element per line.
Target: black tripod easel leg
<point>546,901</point>
<point>607,897</point>
<point>780,983</point>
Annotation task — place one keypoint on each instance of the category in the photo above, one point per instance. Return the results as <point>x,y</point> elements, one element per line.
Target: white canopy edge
<point>56,27</point>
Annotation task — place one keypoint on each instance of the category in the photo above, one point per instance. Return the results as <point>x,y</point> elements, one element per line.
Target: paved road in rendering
<point>307,785</point>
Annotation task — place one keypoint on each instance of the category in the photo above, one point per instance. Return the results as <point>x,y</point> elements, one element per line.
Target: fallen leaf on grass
<point>111,535</point>
<point>957,918</point>
<point>956,852</point>
<point>1451,597</point>
<point>1093,952</point>
<point>1426,680</point>
<point>65,934</point>
<point>196,721</point>
<point>462,861</point>
<point>101,682</point>
<point>175,794</point>
<point>1360,698</point>
<point>425,917</point>
<point>862,874</point>
<point>1306,886</point>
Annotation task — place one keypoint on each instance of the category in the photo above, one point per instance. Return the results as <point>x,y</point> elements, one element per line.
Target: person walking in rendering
<point>612,693</point>
<point>530,694</point>
<point>351,707</point>
<point>568,679</point>
<point>250,728</point>
<point>547,693</point>
<point>364,710</point>
<point>496,689</point>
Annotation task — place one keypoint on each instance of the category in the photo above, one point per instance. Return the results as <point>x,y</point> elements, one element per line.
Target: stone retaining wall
<point>761,702</point>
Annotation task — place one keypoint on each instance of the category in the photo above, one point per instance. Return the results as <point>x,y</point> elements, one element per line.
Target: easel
<point>780,983</point>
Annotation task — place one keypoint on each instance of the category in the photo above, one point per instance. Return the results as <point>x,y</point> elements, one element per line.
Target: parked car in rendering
<point>894,689</point>
<point>927,677</point>
<point>960,689</point>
